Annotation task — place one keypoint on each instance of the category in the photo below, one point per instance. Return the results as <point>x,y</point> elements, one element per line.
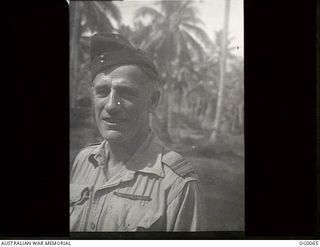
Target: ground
<point>223,192</point>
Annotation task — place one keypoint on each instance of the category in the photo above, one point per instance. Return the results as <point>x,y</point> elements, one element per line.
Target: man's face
<point>122,103</point>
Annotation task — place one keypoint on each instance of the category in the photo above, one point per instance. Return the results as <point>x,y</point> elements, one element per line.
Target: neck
<point>119,153</point>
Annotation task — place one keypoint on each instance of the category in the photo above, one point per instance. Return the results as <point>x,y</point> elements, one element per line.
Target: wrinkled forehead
<point>128,74</point>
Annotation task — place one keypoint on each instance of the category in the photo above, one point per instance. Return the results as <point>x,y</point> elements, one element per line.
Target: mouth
<point>113,121</point>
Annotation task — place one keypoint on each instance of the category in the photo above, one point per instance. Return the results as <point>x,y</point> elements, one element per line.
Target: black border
<point>280,113</point>
<point>35,94</point>
<point>280,96</point>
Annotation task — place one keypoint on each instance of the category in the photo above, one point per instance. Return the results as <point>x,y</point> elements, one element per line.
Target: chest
<point>129,203</point>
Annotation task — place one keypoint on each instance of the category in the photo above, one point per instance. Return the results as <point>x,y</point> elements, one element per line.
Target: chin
<point>114,136</point>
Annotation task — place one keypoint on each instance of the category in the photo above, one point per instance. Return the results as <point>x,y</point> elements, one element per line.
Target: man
<point>129,182</point>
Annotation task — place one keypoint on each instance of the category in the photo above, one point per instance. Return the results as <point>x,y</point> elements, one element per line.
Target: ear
<point>154,100</point>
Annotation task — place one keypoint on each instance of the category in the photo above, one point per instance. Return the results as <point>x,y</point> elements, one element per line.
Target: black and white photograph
<point>156,116</point>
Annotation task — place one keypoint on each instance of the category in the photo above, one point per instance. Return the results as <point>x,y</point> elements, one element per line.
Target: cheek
<point>97,104</point>
<point>137,108</point>
<point>129,108</point>
<point>97,107</point>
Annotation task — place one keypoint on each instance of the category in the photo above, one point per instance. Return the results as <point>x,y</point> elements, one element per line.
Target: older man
<point>129,181</point>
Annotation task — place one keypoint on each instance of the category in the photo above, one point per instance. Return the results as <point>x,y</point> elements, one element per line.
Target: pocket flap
<point>146,222</point>
<point>78,192</point>
<point>143,220</point>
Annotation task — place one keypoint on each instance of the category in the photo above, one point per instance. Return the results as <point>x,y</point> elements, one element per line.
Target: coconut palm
<point>233,109</point>
<point>87,17</point>
<point>224,49</point>
<point>174,36</point>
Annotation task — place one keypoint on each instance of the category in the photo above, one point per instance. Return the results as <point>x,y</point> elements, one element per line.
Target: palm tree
<point>219,36</point>
<point>212,70</point>
<point>234,92</point>
<point>217,121</point>
<point>86,18</point>
<point>174,37</point>
<point>174,33</point>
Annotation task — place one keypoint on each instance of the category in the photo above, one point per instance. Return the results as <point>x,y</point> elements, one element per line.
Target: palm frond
<point>218,38</point>
<point>141,34</point>
<point>147,11</point>
<point>190,11</point>
<point>184,55</point>
<point>166,50</point>
<point>184,5</point>
<point>194,44</point>
<point>96,18</point>
<point>108,8</point>
<point>153,41</point>
<point>170,7</point>
<point>199,33</point>
<point>113,10</point>
<point>177,41</point>
<point>102,15</point>
<point>192,20</point>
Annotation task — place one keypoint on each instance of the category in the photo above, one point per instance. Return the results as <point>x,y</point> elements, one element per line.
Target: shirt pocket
<point>150,222</point>
<point>135,215</point>
<point>79,195</point>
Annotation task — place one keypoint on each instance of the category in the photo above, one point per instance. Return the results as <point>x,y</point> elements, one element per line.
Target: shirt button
<point>93,226</point>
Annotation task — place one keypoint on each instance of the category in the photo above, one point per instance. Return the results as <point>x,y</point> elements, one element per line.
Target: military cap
<point>112,50</point>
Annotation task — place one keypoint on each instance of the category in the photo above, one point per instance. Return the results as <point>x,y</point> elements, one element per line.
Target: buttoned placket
<point>99,161</point>
<point>95,202</point>
<point>89,205</point>
<point>100,194</point>
<point>102,187</point>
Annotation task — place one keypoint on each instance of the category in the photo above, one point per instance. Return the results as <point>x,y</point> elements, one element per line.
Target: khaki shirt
<point>156,190</point>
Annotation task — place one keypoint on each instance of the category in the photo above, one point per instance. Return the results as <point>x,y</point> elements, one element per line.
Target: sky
<point>210,11</point>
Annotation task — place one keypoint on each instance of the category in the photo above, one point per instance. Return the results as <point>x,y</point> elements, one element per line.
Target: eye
<point>101,92</point>
<point>127,93</point>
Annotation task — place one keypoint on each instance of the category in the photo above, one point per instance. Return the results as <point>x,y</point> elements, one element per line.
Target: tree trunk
<point>241,115</point>
<point>208,115</point>
<point>217,121</point>
<point>74,27</point>
<point>170,110</point>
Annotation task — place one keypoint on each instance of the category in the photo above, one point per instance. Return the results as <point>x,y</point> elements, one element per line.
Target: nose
<point>113,102</point>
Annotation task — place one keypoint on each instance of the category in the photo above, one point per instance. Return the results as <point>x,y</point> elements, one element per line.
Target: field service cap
<point>109,50</point>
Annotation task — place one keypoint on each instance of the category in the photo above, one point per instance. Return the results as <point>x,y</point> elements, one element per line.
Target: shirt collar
<point>98,156</point>
<point>147,159</point>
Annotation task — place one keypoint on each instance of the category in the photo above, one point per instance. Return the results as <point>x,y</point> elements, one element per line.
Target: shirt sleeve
<point>184,213</point>
<point>74,167</point>
<point>77,164</point>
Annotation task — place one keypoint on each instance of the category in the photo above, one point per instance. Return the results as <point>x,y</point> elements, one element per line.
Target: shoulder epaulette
<point>177,163</point>
<point>90,145</point>
<point>94,144</point>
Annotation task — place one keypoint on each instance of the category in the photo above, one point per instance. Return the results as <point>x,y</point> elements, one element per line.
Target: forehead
<point>129,75</point>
